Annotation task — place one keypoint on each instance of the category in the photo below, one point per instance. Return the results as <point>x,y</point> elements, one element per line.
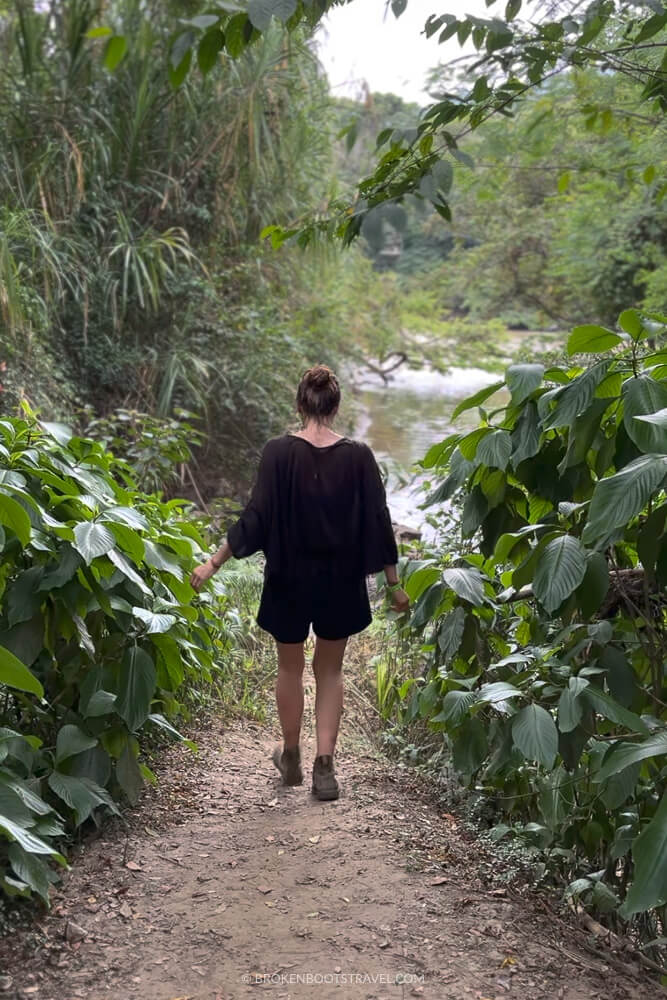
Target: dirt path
<point>229,886</point>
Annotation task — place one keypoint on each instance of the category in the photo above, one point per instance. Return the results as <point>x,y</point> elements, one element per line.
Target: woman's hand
<point>202,574</point>
<point>400,602</point>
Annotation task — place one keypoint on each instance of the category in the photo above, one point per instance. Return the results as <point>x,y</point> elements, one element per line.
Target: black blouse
<point>317,508</point>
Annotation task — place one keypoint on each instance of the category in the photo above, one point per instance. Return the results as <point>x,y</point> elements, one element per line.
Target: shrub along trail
<point>227,885</point>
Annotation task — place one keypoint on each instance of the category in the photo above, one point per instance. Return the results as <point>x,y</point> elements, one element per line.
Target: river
<point>402,419</point>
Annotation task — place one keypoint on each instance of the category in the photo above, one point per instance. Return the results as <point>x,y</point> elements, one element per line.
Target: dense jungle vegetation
<point>175,184</point>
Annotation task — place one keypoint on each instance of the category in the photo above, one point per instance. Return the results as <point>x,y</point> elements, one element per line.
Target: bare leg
<point>289,690</point>
<point>327,667</point>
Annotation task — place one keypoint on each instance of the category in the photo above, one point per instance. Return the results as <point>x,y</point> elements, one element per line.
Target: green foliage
<point>127,210</point>
<point>545,638</point>
<point>155,448</point>
<point>99,639</point>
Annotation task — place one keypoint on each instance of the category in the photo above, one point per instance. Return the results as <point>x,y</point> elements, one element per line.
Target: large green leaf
<point>593,588</point>
<point>28,841</point>
<point>498,691</point>
<point>23,596</point>
<point>466,583</point>
<point>59,432</point>
<point>125,515</point>
<point>160,558</point>
<point>622,496</point>
<point>535,734</point>
<point>455,706</point>
<point>92,539</point>
<point>570,708</point>
<point>30,869</point>
<point>209,49</point>
<point>13,516</point>
<point>72,740</point>
<point>82,795</point>
<point>625,754</point>
<point>154,622</point>
<point>561,567</point>
<point>574,398</point>
<point>128,774</point>
<point>477,399</point>
<point>526,435</point>
<point>649,853</point>
<point>136,686</point>
<point>427,605</point>
<point>495,449</point>
<point>121,563</point>
<point>260,12</point>
<point>420,579</point>
<point>523,380</point>
<point>450,633</point>
<point>644,396</point>
<point>15,674</point>
<point>26,794</point>
<point>100,703</point>
<point>606,706</point>
<point>470,746</point>
<point>591,340</point>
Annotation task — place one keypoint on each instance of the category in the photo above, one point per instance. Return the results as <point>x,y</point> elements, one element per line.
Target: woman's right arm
<point>204,572</point>
<point>247,535</point>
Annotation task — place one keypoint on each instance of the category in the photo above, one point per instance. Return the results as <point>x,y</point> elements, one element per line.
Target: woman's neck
<point>318,434</point>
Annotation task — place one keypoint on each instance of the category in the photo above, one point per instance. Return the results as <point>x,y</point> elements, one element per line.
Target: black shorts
<point>334,607</point>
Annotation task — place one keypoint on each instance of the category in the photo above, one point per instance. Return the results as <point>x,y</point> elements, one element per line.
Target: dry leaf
<point>265,889</point>
<point>440,880</point>
<point>314,840</point>
<point>133,866</point>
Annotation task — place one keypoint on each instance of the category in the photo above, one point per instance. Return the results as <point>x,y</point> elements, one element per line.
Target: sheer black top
<point>317,508</point>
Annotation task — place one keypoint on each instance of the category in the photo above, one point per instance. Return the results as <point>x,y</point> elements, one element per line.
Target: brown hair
<point>318,395</point>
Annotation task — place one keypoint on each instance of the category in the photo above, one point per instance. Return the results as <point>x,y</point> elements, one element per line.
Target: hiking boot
<point>288,763</point>
<point>325,786</point>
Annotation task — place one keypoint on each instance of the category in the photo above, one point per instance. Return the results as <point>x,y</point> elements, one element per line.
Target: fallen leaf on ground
<point>133,866</point>
<point>264,888</point>
<point>314,840</point>
<point>440,880</point>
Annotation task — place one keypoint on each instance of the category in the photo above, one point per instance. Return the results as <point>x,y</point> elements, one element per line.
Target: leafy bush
<point>98,637</point>
<point>546,639</point>
<point>155,447</point>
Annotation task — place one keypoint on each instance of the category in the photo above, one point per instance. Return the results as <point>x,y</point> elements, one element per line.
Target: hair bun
<point>320,376</point>
<point>318,395</point>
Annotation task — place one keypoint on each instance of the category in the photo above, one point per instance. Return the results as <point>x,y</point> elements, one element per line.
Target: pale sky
<point>364,41</point>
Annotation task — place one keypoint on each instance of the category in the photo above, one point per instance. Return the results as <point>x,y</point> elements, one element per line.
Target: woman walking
<point>318,512</point>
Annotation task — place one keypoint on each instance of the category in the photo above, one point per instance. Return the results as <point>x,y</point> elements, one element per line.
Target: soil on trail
<point>231,886</point>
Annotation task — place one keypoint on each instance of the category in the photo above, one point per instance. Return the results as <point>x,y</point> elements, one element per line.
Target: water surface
<point>402,419</point>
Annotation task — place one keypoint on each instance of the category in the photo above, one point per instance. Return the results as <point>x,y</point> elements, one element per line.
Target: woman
<point>318,512</point>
